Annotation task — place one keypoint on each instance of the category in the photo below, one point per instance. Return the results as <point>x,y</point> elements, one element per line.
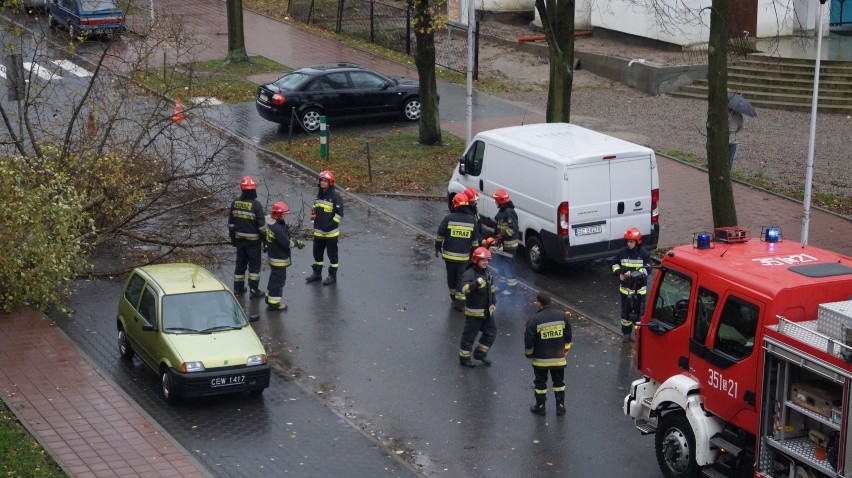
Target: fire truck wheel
<point>675,446</point>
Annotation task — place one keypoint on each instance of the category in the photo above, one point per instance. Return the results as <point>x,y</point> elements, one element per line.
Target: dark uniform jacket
<point>478,297</point>
<point>547,338</point>
<point>631,260</point>
<point>507,225</point>
<point>329,209</point>
<point>279,244</point>
<point>458,235</point>
<point>245,220</point>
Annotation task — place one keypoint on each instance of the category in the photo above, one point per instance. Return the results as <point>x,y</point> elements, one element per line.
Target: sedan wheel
<point>311,120</point>
<point>124,347</point>
<point>52,21</point>
<point>412,109</point>
<point>167,386</point>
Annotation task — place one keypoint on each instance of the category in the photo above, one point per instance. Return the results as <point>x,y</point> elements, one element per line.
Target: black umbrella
<point>741,105</point>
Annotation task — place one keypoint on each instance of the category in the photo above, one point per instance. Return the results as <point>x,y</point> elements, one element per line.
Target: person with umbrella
<point>737,107</point>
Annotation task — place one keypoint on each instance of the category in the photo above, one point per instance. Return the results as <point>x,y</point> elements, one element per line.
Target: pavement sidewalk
<point>92,429</point>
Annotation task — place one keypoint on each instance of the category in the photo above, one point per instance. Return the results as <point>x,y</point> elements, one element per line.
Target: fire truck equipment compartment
<point>815,397</point>
<point>833,318</point>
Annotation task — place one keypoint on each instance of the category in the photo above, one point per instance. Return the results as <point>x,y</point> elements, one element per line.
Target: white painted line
<point>41,72</point>
<point>206,100</point>
<point>72,68</point>
<point>3,71</point>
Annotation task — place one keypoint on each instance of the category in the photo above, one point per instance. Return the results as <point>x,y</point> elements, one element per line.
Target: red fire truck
<point>745,352</point>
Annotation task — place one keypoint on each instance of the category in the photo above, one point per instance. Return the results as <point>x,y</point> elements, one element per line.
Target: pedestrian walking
<point>278,245</point>
<point>246,223</point>
<point>547,339</point>
<point>506,235</point>
<point>735,126</point>
<point>326,215</point>
<point>477,284</point>
<point>458,234</point>
<point>631,267</point>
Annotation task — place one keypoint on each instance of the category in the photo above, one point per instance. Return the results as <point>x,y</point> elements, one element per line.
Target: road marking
<point>3,71</point>
<point>72,68</point>
<point>206,100</point>
<point>41,72</point>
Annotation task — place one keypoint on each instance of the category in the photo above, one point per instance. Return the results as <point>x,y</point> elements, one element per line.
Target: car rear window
<point>291,81</point>
<point>201,311</point>
<point>97,5</point>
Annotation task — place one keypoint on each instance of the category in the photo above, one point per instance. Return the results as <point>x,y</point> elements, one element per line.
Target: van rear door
<point>588,205</point>
<point>630,196</point>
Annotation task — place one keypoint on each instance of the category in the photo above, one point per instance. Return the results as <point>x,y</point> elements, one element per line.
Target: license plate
<point>227,381</point>
<point>264,97</point>
<point>587,230</point>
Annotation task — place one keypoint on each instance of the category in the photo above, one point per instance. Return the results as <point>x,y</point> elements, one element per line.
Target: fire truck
<point>744,348</point>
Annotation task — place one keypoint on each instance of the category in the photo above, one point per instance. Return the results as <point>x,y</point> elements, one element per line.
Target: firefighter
<point>477,284</point>
<point>458,234</point>
<point>506,235</point>
<point>326,215</point>
<point>472,201</point>
<point>547,339</point>
<point>631,267</point>
<point>246,225</point>
<point>278,243</point>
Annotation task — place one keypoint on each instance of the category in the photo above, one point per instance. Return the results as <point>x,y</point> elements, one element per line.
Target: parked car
<point>84,18</point>
<point>186,325</point>
<point>24,4</point>
<point>337,91</point>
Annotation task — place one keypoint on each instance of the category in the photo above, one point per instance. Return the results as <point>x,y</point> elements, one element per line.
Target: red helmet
<point>472,195</point>
<point>633,234</point>
<point>327,175</point>
<point>480,253</point>
<point>460,199</point>
<point>501,196</point>
<point>247,183</point>
<point>279,209</point>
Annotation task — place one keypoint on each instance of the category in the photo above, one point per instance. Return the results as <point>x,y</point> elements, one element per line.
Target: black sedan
<point>337,91</point>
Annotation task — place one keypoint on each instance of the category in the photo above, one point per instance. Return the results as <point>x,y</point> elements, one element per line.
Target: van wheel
<point>675,446</point>
<point>536,256</point>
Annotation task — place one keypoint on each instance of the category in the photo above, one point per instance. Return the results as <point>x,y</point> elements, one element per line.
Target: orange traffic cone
<point>178,116</point>
<point>91,126</point>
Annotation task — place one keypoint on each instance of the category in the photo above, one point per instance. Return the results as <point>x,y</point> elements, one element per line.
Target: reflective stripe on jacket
<point>478,297</point>
<point>631,260</point>
<point>458,235</point>
<point>507,224</point>
<point>279,244</point>
<point>547,337</point>
<point>329,209</point>
<point>245,220</point>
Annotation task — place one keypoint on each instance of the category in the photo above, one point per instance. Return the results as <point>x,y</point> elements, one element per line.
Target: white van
<point>576,191</point>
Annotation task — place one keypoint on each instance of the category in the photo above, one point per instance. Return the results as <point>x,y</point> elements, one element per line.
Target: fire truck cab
<point>745,354</point>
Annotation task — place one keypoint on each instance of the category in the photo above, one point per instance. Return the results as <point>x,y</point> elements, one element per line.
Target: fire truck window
<point>672,300</point>
<point>473,158</point>
<point>737,328</point>
<point>704,313</point>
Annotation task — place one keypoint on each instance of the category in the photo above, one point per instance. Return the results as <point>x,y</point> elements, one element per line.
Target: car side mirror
<point>656,328</point>
<point>462,169</point>
<point>148,328</point>
<point>254,318</point>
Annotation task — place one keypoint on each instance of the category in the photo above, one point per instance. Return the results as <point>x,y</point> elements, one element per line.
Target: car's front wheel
<point>412,109</point>
<point>124,347</point>
<point>310,119</point>
<point>167,386</point>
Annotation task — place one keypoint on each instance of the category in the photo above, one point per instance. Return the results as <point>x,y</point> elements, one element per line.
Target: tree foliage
<point>426,18</point>
<point>557,18</point>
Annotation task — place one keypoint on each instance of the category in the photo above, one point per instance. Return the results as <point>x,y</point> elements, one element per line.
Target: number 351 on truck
<point>746,354</point>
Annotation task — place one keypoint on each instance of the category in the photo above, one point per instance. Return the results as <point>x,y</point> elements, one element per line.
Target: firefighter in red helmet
<point>246,227</point>
<point>631,267</point>
<point>458,234</point>
<point>506,234</point>
<point>279,243</point>
<point>326,214</point>
<point>477,284</point>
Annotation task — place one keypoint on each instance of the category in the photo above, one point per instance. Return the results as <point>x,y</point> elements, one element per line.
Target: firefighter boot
<point>480,354</point>
<point>560,403</point>
<point>538,408</point>
<point>466,362</point>
<point>317,275</point>
<point>332,276</point>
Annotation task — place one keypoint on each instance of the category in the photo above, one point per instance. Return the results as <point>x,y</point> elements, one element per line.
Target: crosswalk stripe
<point>72,68</point>
<point>40,71</point>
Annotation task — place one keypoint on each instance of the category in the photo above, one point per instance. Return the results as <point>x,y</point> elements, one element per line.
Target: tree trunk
<point>236,38</point>
<point>424,59</point>
<point>721,193</point>
<point>557,18</point>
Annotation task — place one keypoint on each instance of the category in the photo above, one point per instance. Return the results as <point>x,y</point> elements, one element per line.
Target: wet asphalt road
<point>366,372</point>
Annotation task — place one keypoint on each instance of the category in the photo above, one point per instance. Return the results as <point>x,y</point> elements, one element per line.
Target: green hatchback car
<point>186,325</point>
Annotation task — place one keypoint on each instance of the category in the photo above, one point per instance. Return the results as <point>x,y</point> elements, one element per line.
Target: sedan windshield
<point>291,81</point>
<point>201,312</point>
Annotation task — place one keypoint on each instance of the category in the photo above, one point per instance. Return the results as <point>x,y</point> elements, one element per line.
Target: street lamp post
<point>809,174</point>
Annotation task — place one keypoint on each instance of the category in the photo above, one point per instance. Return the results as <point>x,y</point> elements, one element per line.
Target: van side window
<point>473,158</point>
<point>737,328</point>
<point>671,303</point>
<point>134,289</point>
<point>704,307</point>
<point>148,306</point>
